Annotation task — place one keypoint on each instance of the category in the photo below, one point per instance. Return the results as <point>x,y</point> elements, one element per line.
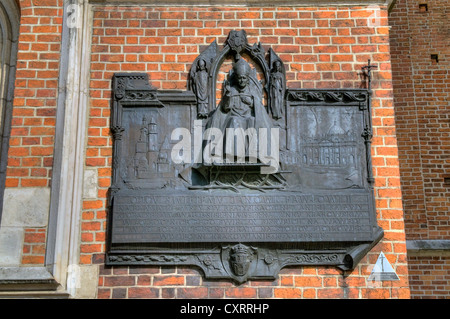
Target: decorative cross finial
<point>367,71</point>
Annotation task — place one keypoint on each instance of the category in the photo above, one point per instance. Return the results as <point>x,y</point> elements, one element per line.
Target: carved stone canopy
<point>236,45</point>
<point>230,219</point>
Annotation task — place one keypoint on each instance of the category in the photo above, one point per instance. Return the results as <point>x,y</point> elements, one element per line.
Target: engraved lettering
<point>241,217</point>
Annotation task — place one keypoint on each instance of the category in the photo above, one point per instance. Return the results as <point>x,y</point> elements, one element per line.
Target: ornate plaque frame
<point>318,210</point>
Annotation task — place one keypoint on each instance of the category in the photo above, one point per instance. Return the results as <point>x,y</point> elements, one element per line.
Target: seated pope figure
<point>241,108</point>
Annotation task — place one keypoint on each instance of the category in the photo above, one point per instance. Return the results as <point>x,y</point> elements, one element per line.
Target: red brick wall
<point>421,98</point>
<point>34,245</point>
<point>429,276</point>
<point>321,47</point>
<point>422,108</point>
<point>30,155</point>
<point>33,123</point>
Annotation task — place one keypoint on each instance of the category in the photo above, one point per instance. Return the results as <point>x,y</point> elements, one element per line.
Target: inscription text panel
<point>249,218</point>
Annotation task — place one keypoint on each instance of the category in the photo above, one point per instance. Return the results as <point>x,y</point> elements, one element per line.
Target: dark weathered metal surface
<point>228,216</point>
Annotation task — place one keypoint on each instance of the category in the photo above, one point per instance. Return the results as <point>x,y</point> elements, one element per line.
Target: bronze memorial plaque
<point>240,176</point>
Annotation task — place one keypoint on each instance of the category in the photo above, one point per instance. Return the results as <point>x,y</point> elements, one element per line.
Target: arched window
<point>9,34</point>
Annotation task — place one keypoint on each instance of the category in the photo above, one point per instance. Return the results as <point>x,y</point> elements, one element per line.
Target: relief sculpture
<point>200,88</point>
<point>240,175</point>
<point>241,107</point>
<point>277,87</point>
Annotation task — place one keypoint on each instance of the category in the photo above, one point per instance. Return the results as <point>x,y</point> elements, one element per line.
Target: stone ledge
<point>34,295</point>
<point>427,245</point>
<point>26,279</point>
